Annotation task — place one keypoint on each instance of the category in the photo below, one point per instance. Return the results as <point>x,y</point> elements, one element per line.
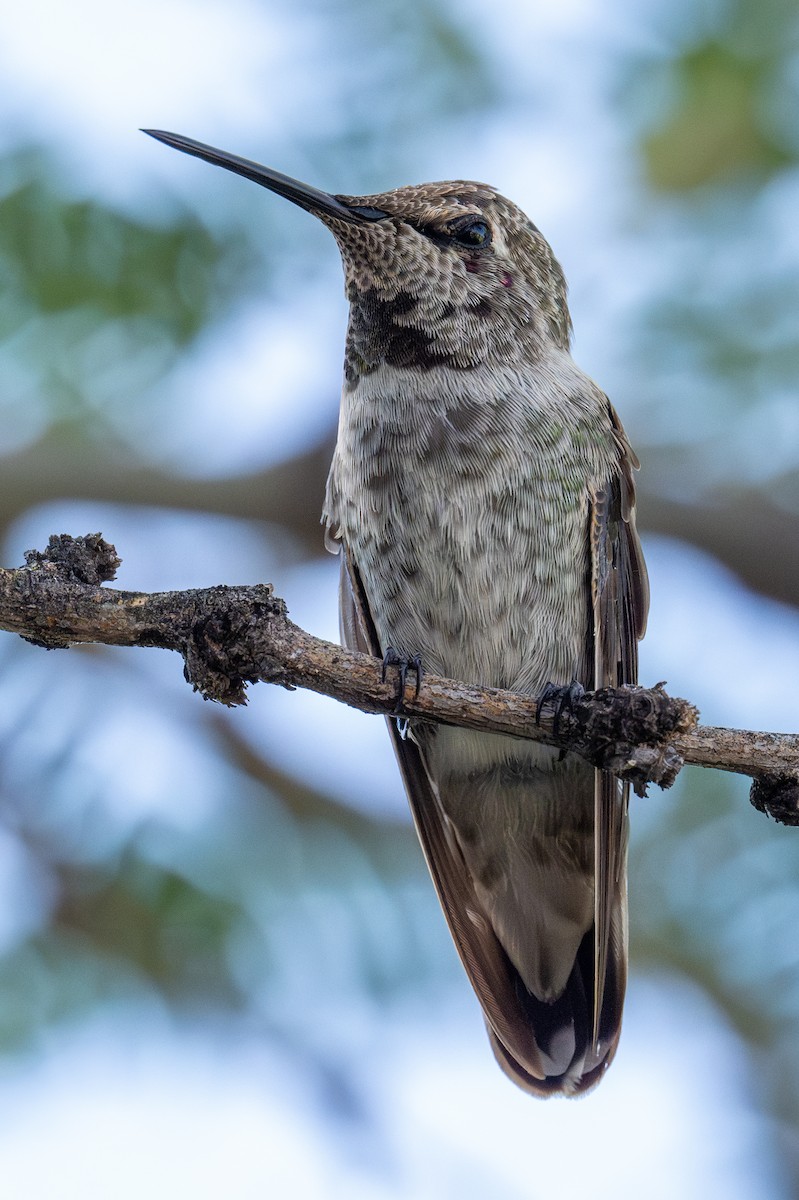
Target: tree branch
<point>231,636</point>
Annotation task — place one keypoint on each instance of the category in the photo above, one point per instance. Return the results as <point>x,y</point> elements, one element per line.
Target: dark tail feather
<point>564,1030</point>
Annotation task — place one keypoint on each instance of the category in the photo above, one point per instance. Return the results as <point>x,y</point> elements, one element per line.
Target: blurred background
<point>222,966</point>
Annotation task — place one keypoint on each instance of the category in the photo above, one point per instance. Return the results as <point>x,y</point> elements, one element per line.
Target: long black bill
<point>307,197</point>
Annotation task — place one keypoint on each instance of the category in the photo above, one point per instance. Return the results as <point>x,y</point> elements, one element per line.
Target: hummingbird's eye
<point>472,233</point>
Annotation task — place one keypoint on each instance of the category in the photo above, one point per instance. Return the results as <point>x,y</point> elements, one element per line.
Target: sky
<point>129,1104</point>
<point>127,1108</point>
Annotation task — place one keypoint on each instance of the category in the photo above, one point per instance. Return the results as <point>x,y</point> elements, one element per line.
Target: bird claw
<point>561,698</point>
<point>403,665</point>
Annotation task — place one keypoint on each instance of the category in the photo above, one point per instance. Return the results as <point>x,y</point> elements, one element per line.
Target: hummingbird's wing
<point>620,599</point>
<point>619,576</point>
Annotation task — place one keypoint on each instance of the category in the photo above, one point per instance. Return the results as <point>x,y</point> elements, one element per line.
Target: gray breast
<point>465,509</point>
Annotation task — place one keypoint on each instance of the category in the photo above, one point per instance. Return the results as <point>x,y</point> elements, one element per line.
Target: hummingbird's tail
<point>573,1045</point>
<point>563,1033</point>
<point>535,897</point>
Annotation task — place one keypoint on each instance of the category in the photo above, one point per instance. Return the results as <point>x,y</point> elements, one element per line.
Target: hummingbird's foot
<point>560,698</point>
<point>403,665</point>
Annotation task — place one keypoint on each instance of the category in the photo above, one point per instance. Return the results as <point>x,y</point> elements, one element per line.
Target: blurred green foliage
<point>716,130</point>
<point>728,95</point>
<point>61,256</point>
<point>96,305</point>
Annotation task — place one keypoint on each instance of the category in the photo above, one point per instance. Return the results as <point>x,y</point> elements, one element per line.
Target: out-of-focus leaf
<point>57,255</point>
<point>153,921</point>
<point>716,129</point>
<point>95,305</point>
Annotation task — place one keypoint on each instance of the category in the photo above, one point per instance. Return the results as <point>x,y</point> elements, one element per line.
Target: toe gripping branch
<point>628,730</point>
<point>561,699</point>
<point>403,666</point>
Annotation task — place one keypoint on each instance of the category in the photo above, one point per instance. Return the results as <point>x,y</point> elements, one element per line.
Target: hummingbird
<point>481,498</point>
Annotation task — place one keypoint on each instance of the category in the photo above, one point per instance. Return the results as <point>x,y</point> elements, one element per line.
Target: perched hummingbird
<point>481,497</point>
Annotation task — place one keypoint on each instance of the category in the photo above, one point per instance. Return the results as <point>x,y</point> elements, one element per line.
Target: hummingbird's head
<point>451,274</point>
<point>437,274</point>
